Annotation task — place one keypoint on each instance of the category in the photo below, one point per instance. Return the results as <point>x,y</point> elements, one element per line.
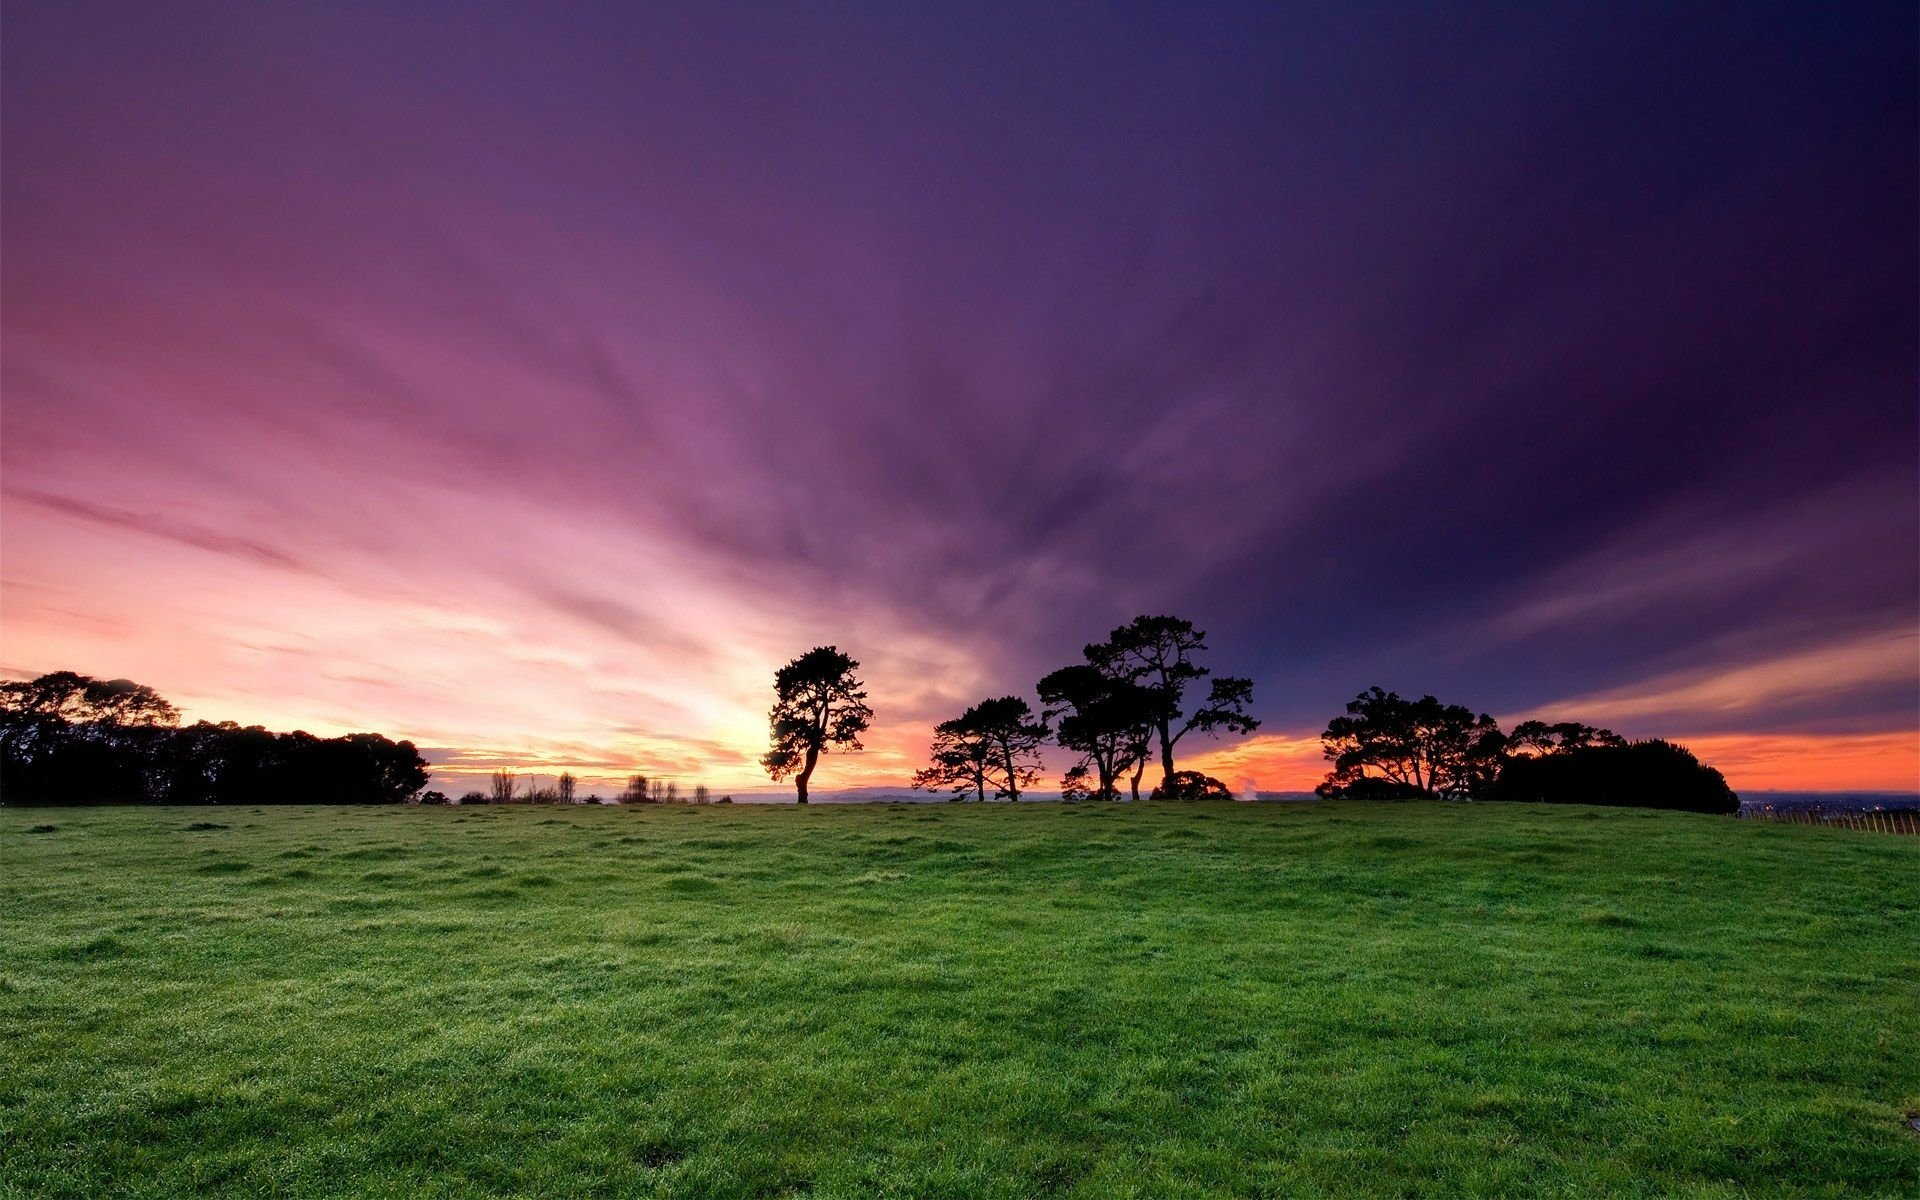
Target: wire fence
<point>1905,821</point>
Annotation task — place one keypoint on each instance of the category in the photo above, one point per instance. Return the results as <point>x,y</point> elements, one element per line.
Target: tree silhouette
<point>68,739</point>
<point>1192,785</point>
<point>77,698</point>
<point>1158,654</point>
<point>1531,738</point>
<point>959,760</point>
<point>1387,746</point>
<point>995,742</point>
<point>818,705</point>
<point>1105,717</point>
<point>1649,774</point>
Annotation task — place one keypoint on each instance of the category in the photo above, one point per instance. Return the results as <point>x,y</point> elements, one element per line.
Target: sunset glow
<point>536,403</point>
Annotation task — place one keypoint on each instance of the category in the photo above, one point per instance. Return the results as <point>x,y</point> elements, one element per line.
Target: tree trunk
<point>1166,759</point>
<point>1139,769</point>
<point>1013,781</point>
<point>806,773</point>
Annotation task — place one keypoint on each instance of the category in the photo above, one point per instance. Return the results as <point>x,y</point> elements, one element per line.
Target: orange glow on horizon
<point>1809,762</point>
<point>1789,762</point>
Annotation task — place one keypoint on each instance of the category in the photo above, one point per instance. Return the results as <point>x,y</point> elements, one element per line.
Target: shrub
<point>1192,785</point>
<point>1649,774</point>
<point>1367,787</point>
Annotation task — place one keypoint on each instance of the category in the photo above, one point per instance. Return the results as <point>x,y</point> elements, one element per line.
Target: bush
<point>474,798</point>
<point>1649,774</point>
<point>434,798</point>
<point>1192,785</point>
<point>1367,787</point>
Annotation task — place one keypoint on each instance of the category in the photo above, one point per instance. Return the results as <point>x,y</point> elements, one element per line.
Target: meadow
<point>954,1000</point>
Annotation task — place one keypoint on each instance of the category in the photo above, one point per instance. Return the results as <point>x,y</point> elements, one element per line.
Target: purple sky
<point>531,380</point>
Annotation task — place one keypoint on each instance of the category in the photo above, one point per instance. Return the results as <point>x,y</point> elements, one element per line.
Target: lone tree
<point>818,705</point>
<point>1157,653</point>
<point>1104,717</point>
<point>1390,747</point>
<point>996,742</point>
<point>503,786</point>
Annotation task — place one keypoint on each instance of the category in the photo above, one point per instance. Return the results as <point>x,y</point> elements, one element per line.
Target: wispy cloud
<point>186,533</point>
<point>559,422</point>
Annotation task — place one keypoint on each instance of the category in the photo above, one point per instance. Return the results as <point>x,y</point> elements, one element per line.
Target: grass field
<point>954,1000</point>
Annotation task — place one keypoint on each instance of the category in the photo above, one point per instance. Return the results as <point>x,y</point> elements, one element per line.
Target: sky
<point>530,381</point>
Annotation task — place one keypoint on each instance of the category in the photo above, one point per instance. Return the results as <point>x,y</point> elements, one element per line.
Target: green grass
<point>948,1000</point>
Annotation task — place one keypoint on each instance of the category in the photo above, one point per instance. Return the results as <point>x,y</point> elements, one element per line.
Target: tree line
<point>1130,702</point>
<point>1388,747</point>
<point>1136,696</point>
<point>67,738</point>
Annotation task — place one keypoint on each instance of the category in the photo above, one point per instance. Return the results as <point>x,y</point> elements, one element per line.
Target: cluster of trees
<point>1129,695</point>
<point>1388,747</point>
<point>640,790</point>
<point>1127,701</point>
<point>504,788</point>
<point>66,738</point>
<point>1136,696</point>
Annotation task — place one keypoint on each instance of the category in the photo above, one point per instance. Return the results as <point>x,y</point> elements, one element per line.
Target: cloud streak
<point>549,393</point>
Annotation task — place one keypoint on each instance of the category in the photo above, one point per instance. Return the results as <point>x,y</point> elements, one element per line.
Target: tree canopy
<point>76,698</point>
<point>1646,774</point>
<point>69,739</point>
<point>1104,717</point>
<point>1158,653</point>
<point>819,705</point>
<point>1530,738</point>
<point>995,744</point>
<point>1387,745</point>
<point>1193,785</point>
